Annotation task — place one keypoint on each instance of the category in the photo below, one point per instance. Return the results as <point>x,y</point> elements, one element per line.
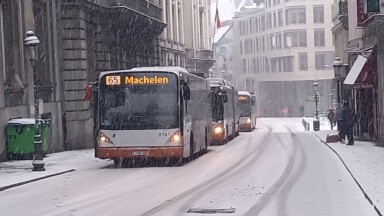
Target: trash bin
<point>316,124</point>
<point>20,135</point>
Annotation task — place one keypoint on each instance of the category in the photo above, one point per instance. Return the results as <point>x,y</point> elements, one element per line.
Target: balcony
<point>141,6</point>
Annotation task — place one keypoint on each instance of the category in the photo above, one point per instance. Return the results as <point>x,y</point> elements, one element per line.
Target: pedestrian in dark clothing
<point>348,121</point>
<point>338,117</point>
<point>302,110</point>
<point>331,117</point>
<point>290,111</point>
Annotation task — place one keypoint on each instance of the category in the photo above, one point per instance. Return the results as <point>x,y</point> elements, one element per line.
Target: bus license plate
<point>140,153</point>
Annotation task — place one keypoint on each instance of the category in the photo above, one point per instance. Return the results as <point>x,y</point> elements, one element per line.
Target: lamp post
<point>31,42</point>
<point>316,122</point>
<point>337,65</point>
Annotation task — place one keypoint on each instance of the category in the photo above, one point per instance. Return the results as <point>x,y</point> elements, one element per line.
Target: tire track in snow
<point>214,179</point>
<point>295,176</point>
<point>267,197</point>
<point>91,199</point>
<point>250,160</point>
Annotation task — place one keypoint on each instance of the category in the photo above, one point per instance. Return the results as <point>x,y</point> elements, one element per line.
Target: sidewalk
<point>14,173</point>
<point>365,161</point>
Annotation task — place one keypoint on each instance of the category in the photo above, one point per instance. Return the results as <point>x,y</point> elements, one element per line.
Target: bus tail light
<point>175,139</point>
<point>248,120</point>
<point>104,138</point>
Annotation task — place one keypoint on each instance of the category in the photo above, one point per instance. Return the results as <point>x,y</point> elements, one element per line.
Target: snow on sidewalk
<point>15,172</point>
<point>366,162</point>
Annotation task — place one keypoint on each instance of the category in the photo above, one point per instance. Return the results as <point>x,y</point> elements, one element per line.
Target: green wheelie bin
<point>20,137</point>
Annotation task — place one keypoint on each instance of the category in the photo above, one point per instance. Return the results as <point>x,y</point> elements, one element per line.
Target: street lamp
<point>316,122</point>
<point>31,42</point>
<point>337,65</point>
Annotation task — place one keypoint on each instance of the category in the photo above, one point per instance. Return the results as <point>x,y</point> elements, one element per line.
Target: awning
<point>355,70</point>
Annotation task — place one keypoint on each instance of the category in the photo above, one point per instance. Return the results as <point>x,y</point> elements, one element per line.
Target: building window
<point>257,24</point>
<point>257,45</point>
<point>319,37</point>
<point>279,41</point>
<point>274,20</point>
<point>272,42</point>
<point>263,43</point>
<point>296,38</point>
<point>250,26</point>
<point>303,61</point>
<point>324,60</point>
<point>241,48</point>
<point>318,13</point>
<point>263,24</point>
<point>244,66</point>
<point>269,21</point>
<point>280,18</point>
<point>251,46</point>
<point>295,15</point>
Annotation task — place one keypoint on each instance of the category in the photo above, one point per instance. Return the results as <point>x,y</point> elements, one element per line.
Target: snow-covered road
<point>278,169</point>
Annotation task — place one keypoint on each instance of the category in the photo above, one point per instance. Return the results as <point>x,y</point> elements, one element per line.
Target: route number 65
<point>113,80</point>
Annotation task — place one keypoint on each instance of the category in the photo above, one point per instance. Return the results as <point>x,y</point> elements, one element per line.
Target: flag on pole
<point>217,19</point>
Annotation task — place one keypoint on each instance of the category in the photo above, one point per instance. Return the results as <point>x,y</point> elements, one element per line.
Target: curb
<point>34,180</point>
<point>354,178</point>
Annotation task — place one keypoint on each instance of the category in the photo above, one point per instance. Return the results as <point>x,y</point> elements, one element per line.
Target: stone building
<point>358,32</point>
<point>79,38</point>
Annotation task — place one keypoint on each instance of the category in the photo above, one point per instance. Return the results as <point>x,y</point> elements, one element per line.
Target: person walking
<point>338,117</point>
<point>331,117</point>
<point>302,111</point>
<point>348,121</point>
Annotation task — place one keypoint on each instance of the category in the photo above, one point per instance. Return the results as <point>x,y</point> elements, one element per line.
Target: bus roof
<point>244,93</point>
<point>215,82</point>
<point>172,69</point>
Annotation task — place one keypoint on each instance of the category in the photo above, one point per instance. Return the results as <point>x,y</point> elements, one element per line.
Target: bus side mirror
<point>253,103</point>
<point>187,92</point>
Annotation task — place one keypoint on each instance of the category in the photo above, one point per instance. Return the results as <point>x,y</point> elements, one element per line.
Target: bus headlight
<point>218,129</point>
<point>175,139</point>
<point>104,138</point>
<point>248,120</point>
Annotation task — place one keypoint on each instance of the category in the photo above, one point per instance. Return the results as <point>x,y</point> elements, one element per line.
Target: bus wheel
<point>205,150</point>
<point>118,162</point>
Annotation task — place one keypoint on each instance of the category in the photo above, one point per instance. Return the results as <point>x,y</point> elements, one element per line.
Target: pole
<point>38,162</point>
<point>338,92</point>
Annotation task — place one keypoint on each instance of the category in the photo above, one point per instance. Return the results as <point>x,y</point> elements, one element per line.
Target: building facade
<point>79,39</point>
<point>187,40</point>
<point>282,48</point>
<point>198,38</point>
<point>362,23</point>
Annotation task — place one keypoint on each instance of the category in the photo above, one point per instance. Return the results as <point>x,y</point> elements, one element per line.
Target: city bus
<point>225,113</point>
<point>248,110</point>
<point>151,112</point>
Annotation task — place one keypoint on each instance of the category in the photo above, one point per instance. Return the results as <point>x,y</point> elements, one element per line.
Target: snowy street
<point>278,169</point>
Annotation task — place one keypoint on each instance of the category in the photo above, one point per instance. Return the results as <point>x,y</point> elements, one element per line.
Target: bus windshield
<point>217,107</point>
<point>140,105</point>
<point>245,106</point>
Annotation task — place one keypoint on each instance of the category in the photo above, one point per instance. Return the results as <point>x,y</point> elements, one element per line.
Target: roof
<point>173,69</point>
<point>244,93</point>
<point>221,32</point>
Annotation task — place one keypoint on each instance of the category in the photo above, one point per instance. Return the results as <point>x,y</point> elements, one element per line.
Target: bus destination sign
<point>133,80</point>
<point>242,98</point>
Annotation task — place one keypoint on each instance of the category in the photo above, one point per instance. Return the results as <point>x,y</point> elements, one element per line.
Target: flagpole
<point>214,30</point>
